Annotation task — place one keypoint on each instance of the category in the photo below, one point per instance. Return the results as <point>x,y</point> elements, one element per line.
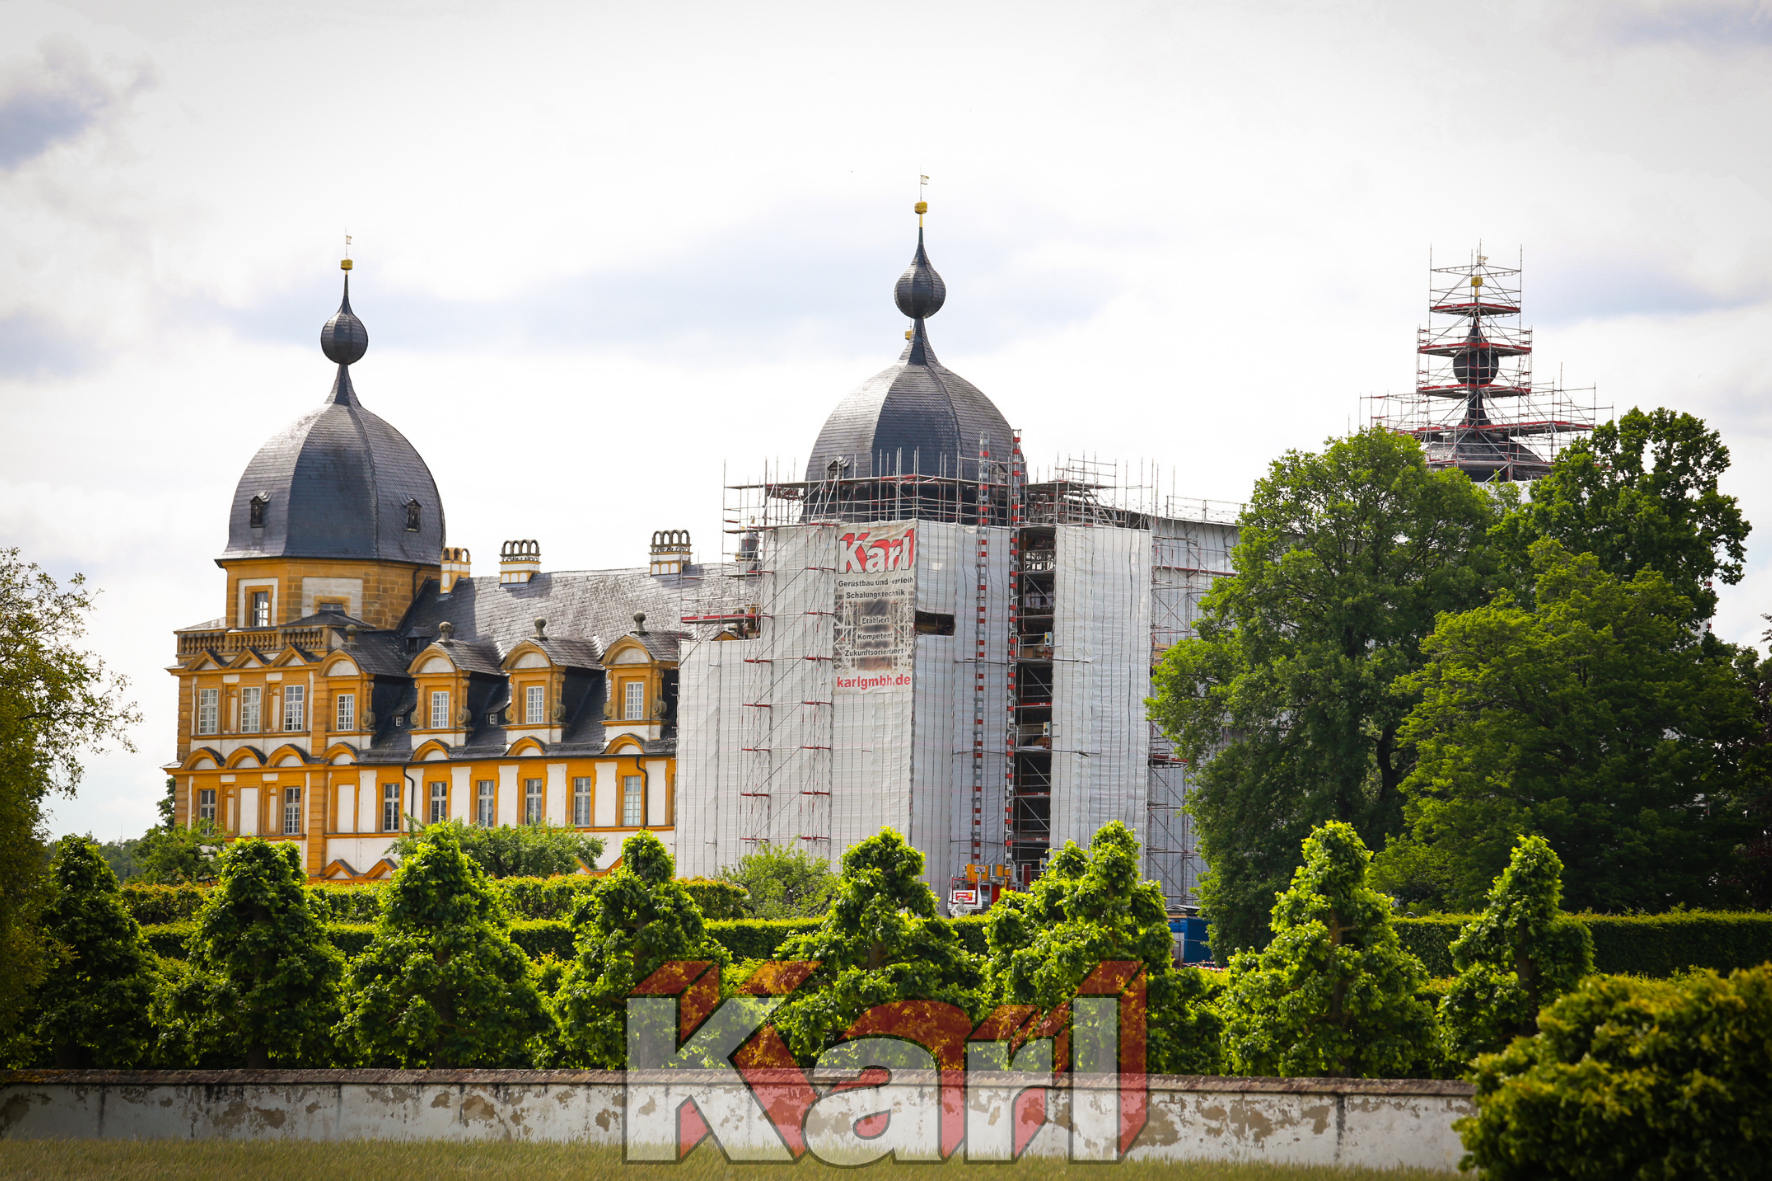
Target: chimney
<point>518,562</point>
<point>456,565</point>
<point>670,551</point>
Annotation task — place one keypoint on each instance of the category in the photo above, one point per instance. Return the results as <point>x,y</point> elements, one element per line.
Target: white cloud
<point>619,246</point>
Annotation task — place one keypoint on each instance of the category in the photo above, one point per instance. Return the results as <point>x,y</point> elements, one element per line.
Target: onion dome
<point>344,340</point>
<point>1477,362</point>
<point>339,482</point>
<point>917,415</point>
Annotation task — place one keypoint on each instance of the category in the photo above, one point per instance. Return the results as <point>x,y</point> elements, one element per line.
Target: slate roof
<point>336,483</point>
<point>580,606</point>
<point>917,415</point>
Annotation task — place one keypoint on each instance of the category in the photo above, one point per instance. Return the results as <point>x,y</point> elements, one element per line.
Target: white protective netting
<point>1100,679</point>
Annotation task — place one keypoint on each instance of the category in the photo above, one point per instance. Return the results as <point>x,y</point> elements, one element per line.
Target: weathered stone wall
<point>1372,1122</point>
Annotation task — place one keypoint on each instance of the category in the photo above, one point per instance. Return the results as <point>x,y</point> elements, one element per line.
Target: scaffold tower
<point>1475,405</point>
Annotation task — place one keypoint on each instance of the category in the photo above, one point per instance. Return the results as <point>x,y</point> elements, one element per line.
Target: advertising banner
<point>876,608</point>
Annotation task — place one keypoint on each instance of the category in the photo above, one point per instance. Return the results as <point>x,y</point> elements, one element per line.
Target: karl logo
<point>912,1080</point>
<point>877,551</point>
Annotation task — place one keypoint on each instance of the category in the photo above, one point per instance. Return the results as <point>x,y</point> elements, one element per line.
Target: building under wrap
<point>919,636</point>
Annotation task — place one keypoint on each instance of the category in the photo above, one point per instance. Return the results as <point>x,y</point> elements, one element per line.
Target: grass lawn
<point>221,1160</point>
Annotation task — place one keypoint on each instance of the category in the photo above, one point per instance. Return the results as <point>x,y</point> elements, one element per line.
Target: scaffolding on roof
<point>1476,405</point>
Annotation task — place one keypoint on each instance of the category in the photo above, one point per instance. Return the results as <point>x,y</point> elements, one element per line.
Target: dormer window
<point>256,511</point>
<point>412,514</point>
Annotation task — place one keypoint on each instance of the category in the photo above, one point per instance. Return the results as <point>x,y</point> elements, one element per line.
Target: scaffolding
<point>1067,583</point>
<point>1476,405</point>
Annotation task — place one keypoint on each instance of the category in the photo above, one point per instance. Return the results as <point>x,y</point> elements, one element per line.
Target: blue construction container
<point>1190,940</point>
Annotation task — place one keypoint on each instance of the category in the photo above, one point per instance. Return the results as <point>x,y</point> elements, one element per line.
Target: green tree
<point>1630,1078</point>
<point>783,883</point>
<point>91,1008</point>
<point>511,851</point>
<point>637,919</point>
<point>1285,701</point>
<point>56,701</point>
<point>880,941</point>
<point>441,983</point>
<point>1520,954</point>
<point>263,978</point>
<point>1333,993</point>
<point>171,856</point>
<point>1085,910</point>
<point>1639,494</point>
<point>1601,720</point>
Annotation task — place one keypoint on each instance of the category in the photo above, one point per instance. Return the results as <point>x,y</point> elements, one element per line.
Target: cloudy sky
<point>608,253</point>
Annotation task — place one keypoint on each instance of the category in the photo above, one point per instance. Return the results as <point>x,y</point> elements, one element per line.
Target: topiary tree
<point>1087,909</point>
<point>1632,1078</point>
<point>92,1008</point>
<point>880,941</point>
<point>441,983</point>
<point>1332,994</point>
<point>1520,954</point>
<point>636,920</point>
<point>263,978</point>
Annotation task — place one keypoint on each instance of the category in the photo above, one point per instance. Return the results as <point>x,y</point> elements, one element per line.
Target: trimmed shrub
<point>169,940</point>
<point>637,921</point>
<point>92,1007</point>
<point>758,939</point>
<point>351,939</point>
<point>545,898</point>
<point>1631,1078</point>
<point>880,942</point>
<point>972,932</point>
<point>1520,954</point>
<point>263,983</point>
<point>1086,910</point>
<point>1334,992</point>
<point>1625,944</point>
<point>717,899</point>
<point>153,904</point>
<point>543,937</point>
<point>441,983</point>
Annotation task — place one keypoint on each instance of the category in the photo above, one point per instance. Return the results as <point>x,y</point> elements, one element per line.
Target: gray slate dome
<point>339,482</point>
<point>917,415</point>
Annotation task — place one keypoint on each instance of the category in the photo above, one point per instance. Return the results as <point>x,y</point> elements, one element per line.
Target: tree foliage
<point>880,941</point>
<point>1520,954</point>
<point>1284,701</point>
<point>636,920</point>
<point>1333,992</point>
<point>263,979</point>
<point>511,851</point>
<point>441,983</point>
<point>783,883</point>
<point>173,856</point>
<point>1084,910</point>
<point>1630,1078</point>
<point>1639,493</point>
<point>91,1009</point>
<point>56,701</point>
<point>1600,719</point>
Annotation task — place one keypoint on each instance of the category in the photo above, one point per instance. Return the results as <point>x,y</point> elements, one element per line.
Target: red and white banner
<point>876,608</point>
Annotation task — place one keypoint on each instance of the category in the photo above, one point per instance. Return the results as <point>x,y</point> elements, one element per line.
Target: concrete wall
<point>1378,1123</point>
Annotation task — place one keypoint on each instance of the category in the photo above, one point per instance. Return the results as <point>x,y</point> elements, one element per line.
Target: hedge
<point>360,902</point>
<point>757,939</point>
<point>1626,944</point>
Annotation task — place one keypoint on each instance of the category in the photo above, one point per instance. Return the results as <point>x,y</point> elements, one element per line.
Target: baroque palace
<point>361,676</point>
<point>916,631</point>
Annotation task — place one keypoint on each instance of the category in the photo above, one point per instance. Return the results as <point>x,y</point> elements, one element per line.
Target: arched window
<point>412,509</point>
